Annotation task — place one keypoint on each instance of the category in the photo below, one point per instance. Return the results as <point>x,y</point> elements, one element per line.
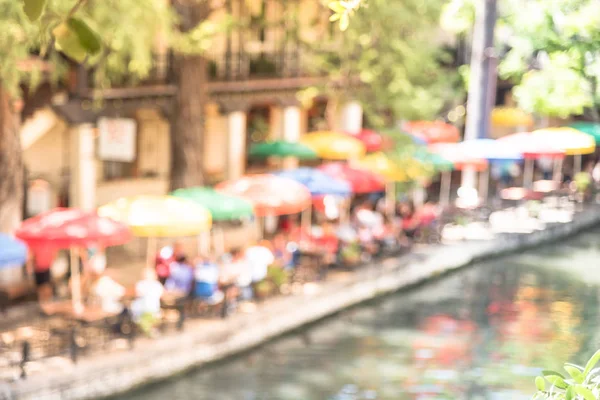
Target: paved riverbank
<point>209,340</point>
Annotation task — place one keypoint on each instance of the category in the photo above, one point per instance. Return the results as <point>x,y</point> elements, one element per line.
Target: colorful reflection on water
<point>482,333</point>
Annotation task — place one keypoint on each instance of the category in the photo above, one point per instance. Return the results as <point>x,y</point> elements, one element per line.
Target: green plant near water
<point>580,383</point>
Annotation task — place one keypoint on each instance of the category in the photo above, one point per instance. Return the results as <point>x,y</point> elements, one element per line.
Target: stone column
<point>291,129</point>
<point>351,118</point>
<point>82,186</point>
<point>236,139</point>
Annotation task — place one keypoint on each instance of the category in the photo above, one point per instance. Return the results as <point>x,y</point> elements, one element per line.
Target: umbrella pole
<point>151,252</point>
<point>75,282</point>
<point>484,181</point>
<point>558,170</point>
<point>577,166</point>
<point>528,174</point>
<point>445,185</point>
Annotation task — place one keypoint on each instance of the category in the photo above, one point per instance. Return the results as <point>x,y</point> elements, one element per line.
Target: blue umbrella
<point>317,182</point>
<point>12,251</point>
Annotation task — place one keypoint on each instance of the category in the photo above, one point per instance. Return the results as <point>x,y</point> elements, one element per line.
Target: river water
<point>481,333</point>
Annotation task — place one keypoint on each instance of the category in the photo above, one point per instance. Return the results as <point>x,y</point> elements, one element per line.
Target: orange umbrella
<point>432,131</point>
<point>271,195</point>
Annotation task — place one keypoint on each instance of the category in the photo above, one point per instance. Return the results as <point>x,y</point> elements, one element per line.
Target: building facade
<point>254,76</point>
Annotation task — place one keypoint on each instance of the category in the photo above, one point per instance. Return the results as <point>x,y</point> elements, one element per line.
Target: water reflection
<point>481,333</point>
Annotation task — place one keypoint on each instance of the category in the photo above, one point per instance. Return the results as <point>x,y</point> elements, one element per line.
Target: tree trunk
<point>11,165</point>
<point>187,131</point>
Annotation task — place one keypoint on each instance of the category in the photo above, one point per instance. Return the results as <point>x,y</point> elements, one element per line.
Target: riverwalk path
<point>207,340</point>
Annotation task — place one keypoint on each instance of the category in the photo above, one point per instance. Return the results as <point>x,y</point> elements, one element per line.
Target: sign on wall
<point>117,138</point>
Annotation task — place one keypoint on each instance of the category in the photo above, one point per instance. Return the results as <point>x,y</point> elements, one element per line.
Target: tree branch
<point>76,7</point>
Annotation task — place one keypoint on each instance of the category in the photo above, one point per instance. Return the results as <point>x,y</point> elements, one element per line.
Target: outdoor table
<point>314,260</point>
<point>175,300</point>
<point>88,317</point>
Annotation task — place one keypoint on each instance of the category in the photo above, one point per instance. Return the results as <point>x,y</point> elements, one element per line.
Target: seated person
<point>181,277</point>
<point>259,258</point>
<point>409,220</point>
<point>329,242</point>
<point>146,307</point>
<point>283,257</point>
<point>206,278</point>
<point>109,294</point>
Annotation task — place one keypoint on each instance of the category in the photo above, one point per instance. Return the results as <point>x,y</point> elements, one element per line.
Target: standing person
<point>40,265</point>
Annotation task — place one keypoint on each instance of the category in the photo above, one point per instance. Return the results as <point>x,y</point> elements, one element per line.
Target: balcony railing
<point>241,66</point>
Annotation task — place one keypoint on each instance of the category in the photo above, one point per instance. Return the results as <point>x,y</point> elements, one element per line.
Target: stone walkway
<point>204,341</point>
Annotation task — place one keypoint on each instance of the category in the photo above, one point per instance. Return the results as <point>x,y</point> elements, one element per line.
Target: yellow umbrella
<point>334,145</point>
<point>158,216</point>
<point>570,140</point>
<point>380,164</point>
<point>510,117</point>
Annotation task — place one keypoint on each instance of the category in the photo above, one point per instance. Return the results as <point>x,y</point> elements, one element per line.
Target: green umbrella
<point>221,206</point>
<point>438,162</point>
<point>282,148</point>
<point>591,128</point>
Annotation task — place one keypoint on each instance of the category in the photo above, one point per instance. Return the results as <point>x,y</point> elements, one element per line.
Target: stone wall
<point>210,340</point>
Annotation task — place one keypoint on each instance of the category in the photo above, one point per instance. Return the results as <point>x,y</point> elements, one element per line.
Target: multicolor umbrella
<point>530,146</point>
<point>334,145</point>
<point>222,207</point>
<point>281,148</point>
<point>380,164</point>
<point>591,128</point>
<point>12,251</point>
<point>490,149</point>
<point>432,131</point>
<point>271,195</point>
<point>570,140</point>
<point>159,216</point>
<point>454,153</point>
<point>317,182</point>
<point>360,181</point>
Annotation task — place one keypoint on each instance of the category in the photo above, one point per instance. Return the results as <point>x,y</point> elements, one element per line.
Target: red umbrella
<point>372,140</point>
<point>433,131</point>
<point>360,180</point>
<point>62,228</point>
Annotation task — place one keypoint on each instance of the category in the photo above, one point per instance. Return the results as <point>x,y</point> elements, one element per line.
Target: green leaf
<point>591,363</point>
<point>585,392</point>
<point>335,17</point>
<point>575,373</point>
<point>87,37</point>
<point>557,381</point>
<point>548,373</point>
<point>569,393</point>
<point>337,7</point>
<point>540,383</point>
<point>67,41</point>
<point>34,9</point>
<point>344,21</point>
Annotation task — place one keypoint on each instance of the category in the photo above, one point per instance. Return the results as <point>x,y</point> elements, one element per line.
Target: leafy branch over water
<point>579,384</point>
